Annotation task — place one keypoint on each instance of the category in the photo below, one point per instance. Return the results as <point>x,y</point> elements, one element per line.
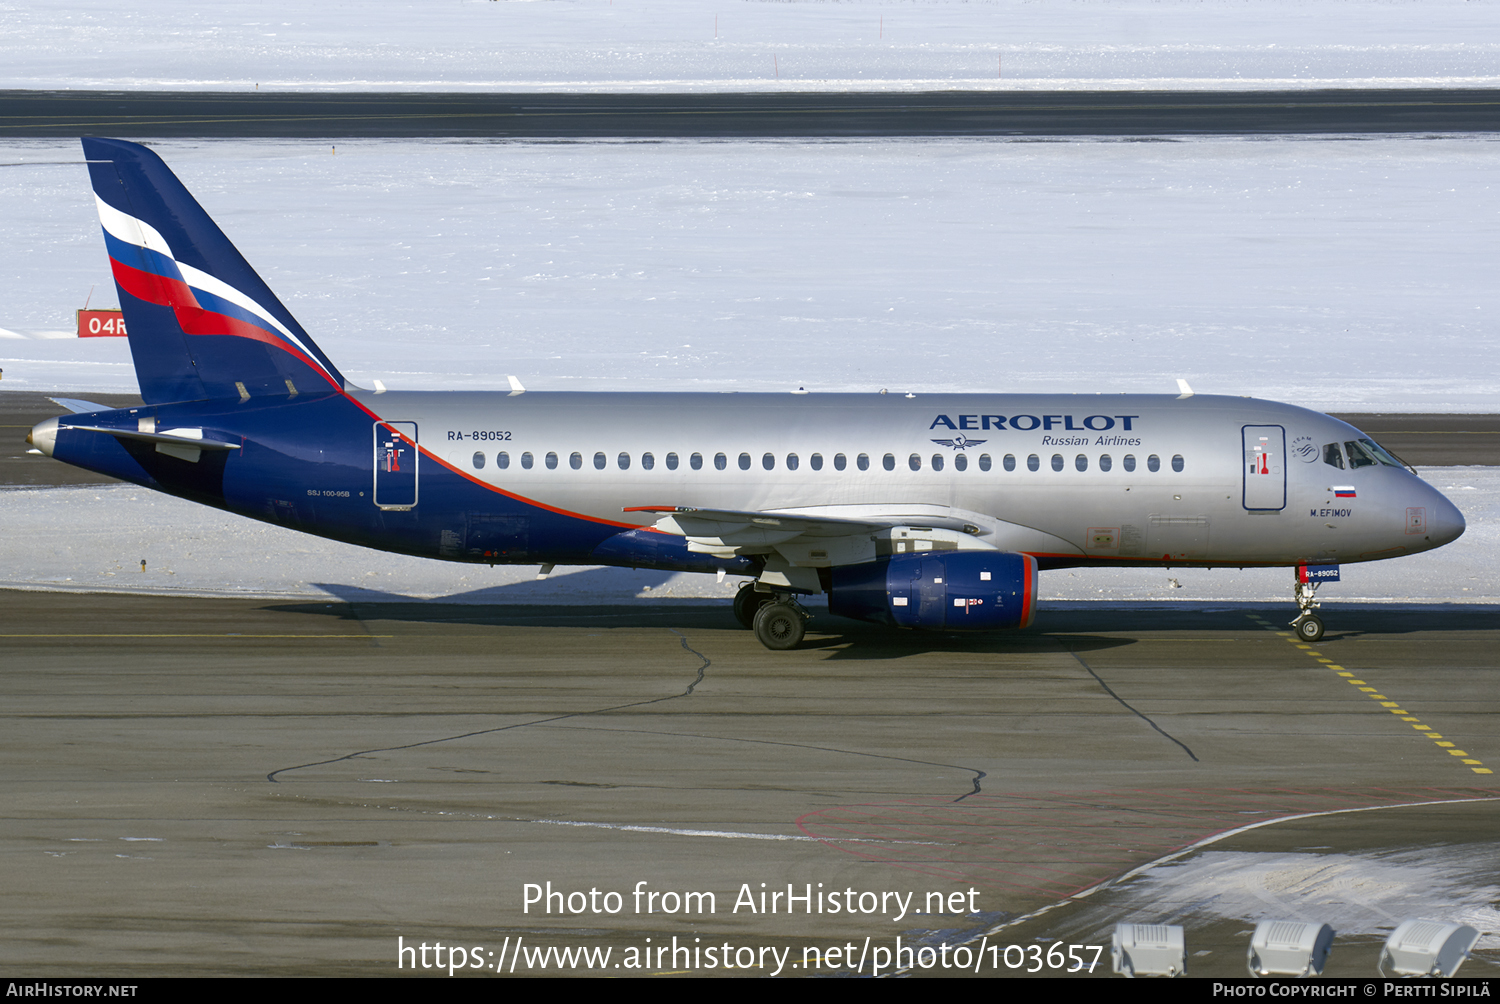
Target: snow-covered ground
<point>94,539</point>
<point>1351,274</point>
<point>690,45</point>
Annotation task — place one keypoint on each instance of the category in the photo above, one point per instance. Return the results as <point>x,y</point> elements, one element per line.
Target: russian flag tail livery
<point>201,323</point>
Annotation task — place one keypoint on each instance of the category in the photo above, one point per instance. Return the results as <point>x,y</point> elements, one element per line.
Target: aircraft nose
<point>1445,523</point>
<point>43,437</point>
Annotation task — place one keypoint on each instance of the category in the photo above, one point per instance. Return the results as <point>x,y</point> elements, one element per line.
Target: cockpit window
<point>1358,455</point>
<point>1380,453</point>
<point>1333,456</point>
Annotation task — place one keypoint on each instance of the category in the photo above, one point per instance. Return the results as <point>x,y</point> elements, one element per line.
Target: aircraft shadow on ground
<point>1077,627</point>
<point>537,603</point>
<point>1080,626</point>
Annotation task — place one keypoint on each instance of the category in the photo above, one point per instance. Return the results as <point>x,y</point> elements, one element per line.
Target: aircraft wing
<point>796,542</point>
<point>750,526</point>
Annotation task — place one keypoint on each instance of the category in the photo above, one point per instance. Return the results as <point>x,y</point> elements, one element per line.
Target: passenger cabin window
<point>816,460</point>
<point>914,462</point>
<point>768,462</point>
<point>984,461</point>
<point>502,460</point>
<point>623,460</point>
<point>599,461</point>
<point>647,461</point>
<point>1010,461</point>
<point>1129,461</point>
<point>720,461</point>
<point>839,462</point>
<point>1105,462</point>
<point>1057,462</point>
<point>961,462</point>
<point>792,463</point>
<point>671,461</point>
<point>888,462</point>
<point>862,461</point>
<point>937,461</point>
<point>696,461</point>
<point>1177,462</point>
<point>744,461</point>
<point>1153,463</point>
<point>479,461</point>
<point>1033,463</point>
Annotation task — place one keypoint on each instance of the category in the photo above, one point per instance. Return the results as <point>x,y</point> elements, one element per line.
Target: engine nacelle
<point>939,590</point>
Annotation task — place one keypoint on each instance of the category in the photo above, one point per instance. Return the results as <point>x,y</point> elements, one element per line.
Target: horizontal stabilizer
<point>173,437</point>
<point>79,407</point>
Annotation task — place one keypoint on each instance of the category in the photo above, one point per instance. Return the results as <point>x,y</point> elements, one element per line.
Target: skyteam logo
<point>1026,423</point>
<point>960,442</point>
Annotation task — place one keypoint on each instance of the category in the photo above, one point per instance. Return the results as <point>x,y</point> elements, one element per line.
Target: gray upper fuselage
<point>1185,501</point>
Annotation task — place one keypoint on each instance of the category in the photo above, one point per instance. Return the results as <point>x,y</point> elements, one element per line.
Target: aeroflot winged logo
<point>1026,423</point>
<point>960,442</point>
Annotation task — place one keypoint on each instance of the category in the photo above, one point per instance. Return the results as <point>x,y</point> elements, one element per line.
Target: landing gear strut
<point>1308,625</point>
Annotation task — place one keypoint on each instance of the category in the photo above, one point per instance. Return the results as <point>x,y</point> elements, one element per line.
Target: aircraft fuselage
<point>550,477</point>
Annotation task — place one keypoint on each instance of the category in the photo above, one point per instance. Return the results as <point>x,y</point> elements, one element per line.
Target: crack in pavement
<point>1124,704</point>
<point>702,669</point>
<point>979,775</point>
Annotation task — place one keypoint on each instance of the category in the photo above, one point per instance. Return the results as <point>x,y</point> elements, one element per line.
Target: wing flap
<point>811,537</point>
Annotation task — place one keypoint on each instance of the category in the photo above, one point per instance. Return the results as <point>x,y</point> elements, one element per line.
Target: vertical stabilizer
<point>201,323</point>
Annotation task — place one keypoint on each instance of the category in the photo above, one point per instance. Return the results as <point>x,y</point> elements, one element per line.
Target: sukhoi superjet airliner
<point>930,511</point>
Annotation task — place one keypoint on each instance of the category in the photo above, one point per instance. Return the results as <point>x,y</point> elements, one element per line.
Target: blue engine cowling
<point>943,590</point>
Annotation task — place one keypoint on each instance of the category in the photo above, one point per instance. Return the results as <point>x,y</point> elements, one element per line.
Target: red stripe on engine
<point>1028,592</point>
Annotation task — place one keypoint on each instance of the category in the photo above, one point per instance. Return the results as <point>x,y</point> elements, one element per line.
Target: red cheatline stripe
<point>152,288</point>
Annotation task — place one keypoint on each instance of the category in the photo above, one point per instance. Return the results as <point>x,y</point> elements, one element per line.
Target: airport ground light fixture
<point>1289,948</point>
<point>1426,948</point>
<point>1149,950</point>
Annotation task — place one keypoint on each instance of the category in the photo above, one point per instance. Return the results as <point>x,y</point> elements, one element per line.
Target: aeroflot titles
<point>1026,423</point>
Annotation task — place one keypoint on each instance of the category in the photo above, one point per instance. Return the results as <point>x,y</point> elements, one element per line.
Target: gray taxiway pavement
<point>32,114</point>
<point>231,786</point>
<point>244,787</point>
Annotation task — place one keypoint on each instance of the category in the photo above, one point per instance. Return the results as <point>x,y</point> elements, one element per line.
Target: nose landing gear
<point>1308,625</point>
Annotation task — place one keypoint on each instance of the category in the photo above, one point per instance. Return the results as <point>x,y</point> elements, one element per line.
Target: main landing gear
<point>747,603</point>
<point>778,620</point>
<point>1308,625</point>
